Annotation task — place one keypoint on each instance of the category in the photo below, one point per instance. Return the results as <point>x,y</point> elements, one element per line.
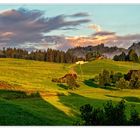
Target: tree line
<point>131,56</point>
<point>109,114</point>
<point>109,79</point>
<point>50,55</point>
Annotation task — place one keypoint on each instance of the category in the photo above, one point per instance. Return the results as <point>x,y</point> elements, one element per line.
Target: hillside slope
<point>55,105</point>
<point>95,67</point>
<point>30,75</point>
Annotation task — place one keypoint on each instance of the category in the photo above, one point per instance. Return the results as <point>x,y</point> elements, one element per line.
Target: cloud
<point>29,26</point>
<point>30,29</point>
<point>108,38</point>
<point>95,27</point>
<point>59,42</point>
<point>104,33</point>
<point>81,41</point>
<point>124,41</point>
<point>82,14</point>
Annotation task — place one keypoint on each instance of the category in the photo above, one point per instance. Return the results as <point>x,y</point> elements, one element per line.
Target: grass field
<point>55,105</point>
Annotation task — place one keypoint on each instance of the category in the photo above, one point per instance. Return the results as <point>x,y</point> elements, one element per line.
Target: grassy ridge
<point>94,67</point>
<point>55,105</point>
<point>30,75</point>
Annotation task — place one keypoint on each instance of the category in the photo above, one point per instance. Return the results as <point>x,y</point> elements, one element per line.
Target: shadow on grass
<point>29,111</point>
<point>91,83</point>
<point>12,95</point>
<point>75,101</point>
<point>127,98</point>
<point>62,86</point>
<point>113,96</point>
<point>132,99</point>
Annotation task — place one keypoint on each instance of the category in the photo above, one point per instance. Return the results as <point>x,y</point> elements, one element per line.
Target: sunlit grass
<point>31,75</point>
<point>56,104</point>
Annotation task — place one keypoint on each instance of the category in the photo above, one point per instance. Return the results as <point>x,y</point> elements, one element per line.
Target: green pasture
<point>55,105</point>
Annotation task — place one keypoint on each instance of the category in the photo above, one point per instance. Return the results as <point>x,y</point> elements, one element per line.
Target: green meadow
<point>55,105</point>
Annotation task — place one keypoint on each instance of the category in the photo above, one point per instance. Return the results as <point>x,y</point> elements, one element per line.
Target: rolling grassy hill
<point>55,105</point>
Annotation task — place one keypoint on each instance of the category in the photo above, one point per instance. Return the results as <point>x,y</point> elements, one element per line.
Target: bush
<point>91,116</point>
<point>121,81</point>
<point>116,77</point>
<point>108,115</point>
<point>71,82</point>
<point>86,114</point>
<point>134,118</point>
<point>115,115</point>
<point>104,78</point>
<point>134,81</point>
<point>122,84</point>
<point>69,79</point>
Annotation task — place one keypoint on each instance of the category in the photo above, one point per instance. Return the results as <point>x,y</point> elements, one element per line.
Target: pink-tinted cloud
<point>29,26</point>
<point>21,27</point>
<point>108,38</point>
<point>95,27</point>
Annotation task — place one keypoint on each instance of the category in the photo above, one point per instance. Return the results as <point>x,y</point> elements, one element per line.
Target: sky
<point>63,26</point>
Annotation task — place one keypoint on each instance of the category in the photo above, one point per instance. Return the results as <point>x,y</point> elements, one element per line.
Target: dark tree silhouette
<point>110,114</point>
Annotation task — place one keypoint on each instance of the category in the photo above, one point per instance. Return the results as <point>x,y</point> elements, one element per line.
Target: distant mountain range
<point>104,50</point>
